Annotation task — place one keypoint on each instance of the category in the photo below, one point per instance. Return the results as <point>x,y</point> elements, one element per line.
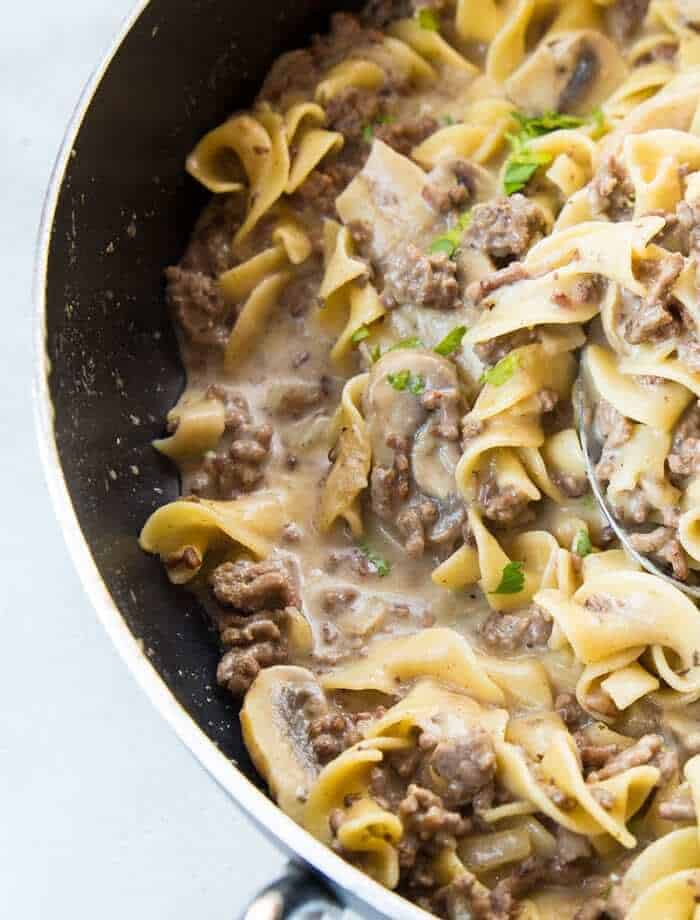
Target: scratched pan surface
<point>119,209</point>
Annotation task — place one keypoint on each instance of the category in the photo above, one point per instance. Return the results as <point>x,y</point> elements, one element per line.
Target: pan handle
<point>297,895</point>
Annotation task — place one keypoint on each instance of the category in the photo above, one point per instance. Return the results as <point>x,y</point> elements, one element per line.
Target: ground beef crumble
<point>323,185</point>
<point>611,193</point>
<point>505,228</point>
<point>253,642</point>
<point>566,705</point>
<point>506,633</point>
<point>413,523</point>
<point>684,459</point>
<point>354,110</point>
<point>198,305</point>
<point>612,427</point>
<point>654,319</point>
<point>479,290</point>
<point>390,486</point>
<point>641,752</point>
<point>264,597</point>
<point>331,734</point>
<point>252,586</point>
<point>492,350</point>
<point>688,217</point>
<point>299,397</point>
<point>405,134</point>
<point>297,73</point>
<point>613,430</point>
<point>240,465</point>
<point>192,287</point>
<point>422,279</point>
<point>678,808</point>
<point>460,767</point>
<point>663,544</point>
<point>451,184</point>
<point>428,825</point>
<point>501,504</point>
<point>571,485</point>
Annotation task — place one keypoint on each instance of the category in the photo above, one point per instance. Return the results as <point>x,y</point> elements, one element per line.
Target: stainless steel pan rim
<point>278,826</point>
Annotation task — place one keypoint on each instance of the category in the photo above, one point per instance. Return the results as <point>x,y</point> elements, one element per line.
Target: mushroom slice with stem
<point>569,72</point>
<point>413,397</point>
<point>276,716</point>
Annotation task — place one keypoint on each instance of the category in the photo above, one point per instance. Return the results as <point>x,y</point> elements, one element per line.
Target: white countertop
<point>103,814</point>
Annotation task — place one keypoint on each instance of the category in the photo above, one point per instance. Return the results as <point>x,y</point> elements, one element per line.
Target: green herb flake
<point>501,373</point>
<point>428,19</point>
<point>582,545</point>
<point>547,122</point>
<point>359,335</point>
<point>449,242</point>
<point>368,133</point>
<point>405,380</point>
<point>588,501</point>
<point>512,579</point>
<point>521,166</point>
<point>399,380</point>
<point>381,565</point>
<point>523,162</point>
<point>411,342</point>
<point>451,342</point>
<point>416,384</point>
<point>443,244</point>
<point>600,123</point>
<point>448,120</point>
<point>375,354</point>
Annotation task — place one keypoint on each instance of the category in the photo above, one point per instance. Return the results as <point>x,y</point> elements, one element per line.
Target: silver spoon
<point>592,448</point>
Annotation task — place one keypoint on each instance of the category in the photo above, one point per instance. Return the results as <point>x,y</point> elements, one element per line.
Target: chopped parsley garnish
<point>416,384</point>
<point>582,545</point>
<point>428,19</point>
<point>405,380</point>
<point>359,335</point>
<point>588,501</point>
<point>451,342</point>
<point>523,162</point>
<point>446,244</point>
<point>501,373</point>
<point>512,579</point>
<point>368,130</point>
<point>449,242</point>
<point>448,120</point>
<point>546,123</point>
<point>521,167</point>
<point>381,565</point>
<point>600,124</point>
<point>411,342</point>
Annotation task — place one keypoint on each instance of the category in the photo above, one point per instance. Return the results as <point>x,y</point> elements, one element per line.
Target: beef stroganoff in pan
<point>427,223</point>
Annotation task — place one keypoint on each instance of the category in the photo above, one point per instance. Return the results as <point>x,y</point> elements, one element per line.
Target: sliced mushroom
<point>569,72</point>
<point>275,719</point>
<point>402,413</point>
